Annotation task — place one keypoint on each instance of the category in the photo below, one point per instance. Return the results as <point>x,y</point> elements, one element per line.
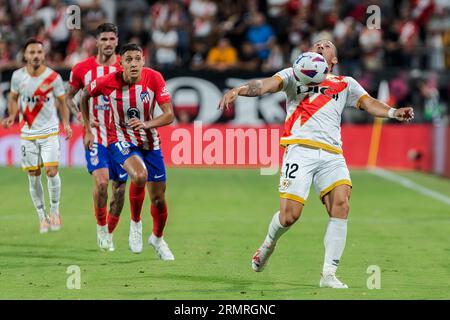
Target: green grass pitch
<point>217,218</point>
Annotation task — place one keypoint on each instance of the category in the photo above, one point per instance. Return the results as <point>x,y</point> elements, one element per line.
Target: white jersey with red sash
<point>38,114</point>
<point>314,113</point>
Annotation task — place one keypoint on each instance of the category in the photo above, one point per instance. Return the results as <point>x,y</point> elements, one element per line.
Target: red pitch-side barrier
<point>229,146</point>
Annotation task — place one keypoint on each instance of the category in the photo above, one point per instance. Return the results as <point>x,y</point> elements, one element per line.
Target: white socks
<point>54,191</point>
<point>276,229</point>
<point>334,242</point>
<point>37,195</point>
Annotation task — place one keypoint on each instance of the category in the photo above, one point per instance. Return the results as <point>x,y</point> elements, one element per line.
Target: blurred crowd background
<point>412,45</point>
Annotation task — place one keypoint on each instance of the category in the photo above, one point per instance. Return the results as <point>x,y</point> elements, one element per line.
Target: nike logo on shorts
<point>157,177</point>
<point>123,175</point>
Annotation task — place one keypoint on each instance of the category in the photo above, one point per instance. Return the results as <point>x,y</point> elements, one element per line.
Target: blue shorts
<point>99,157</point>
<point>153,159</point>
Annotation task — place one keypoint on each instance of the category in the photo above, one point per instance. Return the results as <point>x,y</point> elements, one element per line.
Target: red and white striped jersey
<point>82,75</point>
<point>128,101</point>
<point>38,115</point>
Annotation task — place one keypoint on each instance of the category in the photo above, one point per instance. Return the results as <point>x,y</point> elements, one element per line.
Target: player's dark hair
<point>106,27</point>
<point>130,47</point>
<point>31,41</point>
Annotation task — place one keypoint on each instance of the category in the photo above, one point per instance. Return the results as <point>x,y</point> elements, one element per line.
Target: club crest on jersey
<point>133,113</point>
<point>145,96</point>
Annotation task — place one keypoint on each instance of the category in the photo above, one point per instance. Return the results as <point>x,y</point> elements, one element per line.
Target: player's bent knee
<point>289,216</point>
<point>139,178</point>
<point>51,171</point>
<point>158,201</point>
<point>101,185</point>
<point>34,173</point>
<point>340,209</point>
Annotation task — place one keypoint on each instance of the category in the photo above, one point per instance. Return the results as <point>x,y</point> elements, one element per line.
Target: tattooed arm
<point>254,88</point>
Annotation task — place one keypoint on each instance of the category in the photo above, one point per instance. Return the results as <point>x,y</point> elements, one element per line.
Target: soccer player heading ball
<point>313,152</point>
<point>33,92</point>
<point>133,140</point>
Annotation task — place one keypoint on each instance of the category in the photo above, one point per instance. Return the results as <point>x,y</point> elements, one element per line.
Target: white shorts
<point>40,152</point>
<point>305,165</point>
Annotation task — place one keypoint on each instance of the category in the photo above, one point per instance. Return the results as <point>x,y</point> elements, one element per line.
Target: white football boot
<point>44,224</point>
<point>110,242</point>
<point>261,256</point>
<point>329,280</point>
<point>55,221</point>
<point>135,237</point>
<point>102,237</point>
<point>161,248</point>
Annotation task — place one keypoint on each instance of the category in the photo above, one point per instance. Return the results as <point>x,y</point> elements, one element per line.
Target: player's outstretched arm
<point>254,88</point>
<point>84,108</point>
<point>380,109</point>
<point>164,119</point>
<point>65,115</point>
<point>13,109</point>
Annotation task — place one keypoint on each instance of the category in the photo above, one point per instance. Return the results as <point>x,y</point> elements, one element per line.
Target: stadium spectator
<point>6,59</point>
<point>222,57</point>
<point>203,13</point>
<point>260,35</point>
<point>275,60</point>
<point>165,41</point>
<point>248,60</point>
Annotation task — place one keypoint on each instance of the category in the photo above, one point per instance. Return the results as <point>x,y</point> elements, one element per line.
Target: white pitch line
<point>410,184</point>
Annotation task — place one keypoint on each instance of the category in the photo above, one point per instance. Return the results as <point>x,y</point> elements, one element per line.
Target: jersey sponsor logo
<point>36,99</point>
<point>145,96</point>
<point>103,107</point>
<point>327,91</point>
<point>133,113</point>
<point>164,92</point>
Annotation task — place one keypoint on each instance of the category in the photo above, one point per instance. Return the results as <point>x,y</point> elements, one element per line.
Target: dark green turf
<point>217,218</point>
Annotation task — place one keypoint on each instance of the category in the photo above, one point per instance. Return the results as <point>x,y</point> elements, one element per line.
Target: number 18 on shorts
<point>153,159</point>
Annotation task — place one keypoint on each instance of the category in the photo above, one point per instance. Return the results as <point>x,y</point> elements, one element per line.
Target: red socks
<point>112,222</point>
<point>100,215</point>
<point>137,196</point>
<point>159,220</point>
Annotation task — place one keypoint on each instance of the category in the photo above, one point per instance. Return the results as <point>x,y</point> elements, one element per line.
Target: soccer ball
<point>310,68</point>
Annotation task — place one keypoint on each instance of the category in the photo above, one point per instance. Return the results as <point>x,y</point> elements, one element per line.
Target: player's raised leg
<point>138,174</point>
<point>37,196</point>
<point>157,191</point>
<point>115,208</point>
<point>290,211</point>
<point>337,204</point>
